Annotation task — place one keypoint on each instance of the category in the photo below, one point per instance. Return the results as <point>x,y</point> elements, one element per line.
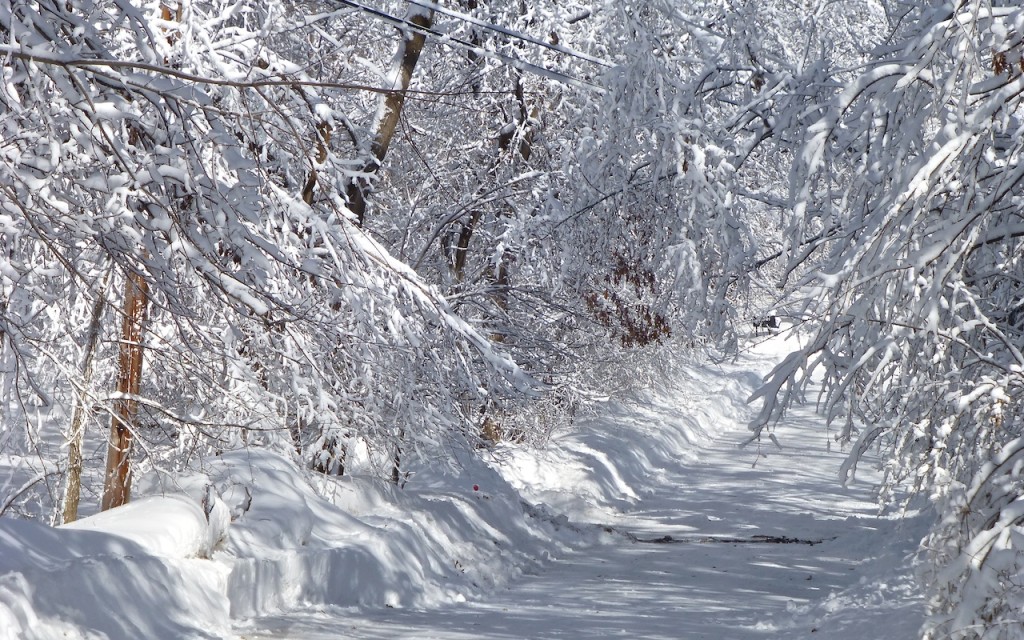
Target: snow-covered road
<point>852,583</point>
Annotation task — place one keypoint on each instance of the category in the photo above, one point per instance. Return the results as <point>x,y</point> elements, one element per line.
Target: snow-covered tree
<point>606,195</point>
<point>174,147</point>
<point>908,201</point>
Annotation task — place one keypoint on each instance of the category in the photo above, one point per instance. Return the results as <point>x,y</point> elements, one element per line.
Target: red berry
<point>476,487</point>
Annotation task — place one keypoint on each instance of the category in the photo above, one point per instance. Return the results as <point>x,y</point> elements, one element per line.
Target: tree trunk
<point>73,480</point>
<point>390,110</point>
<point>323,140</point>
<point>396,460</point>
<point>118,480</point>
<point>462,249</point>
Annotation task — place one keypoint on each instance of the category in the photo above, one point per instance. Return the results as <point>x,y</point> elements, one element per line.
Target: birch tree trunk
<point>390,110</point>
<point>73,480</point>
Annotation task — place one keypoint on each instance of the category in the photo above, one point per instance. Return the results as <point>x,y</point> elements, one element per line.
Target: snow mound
<point>171,526</point>
<point>255,535</point>
<point>79,583</point>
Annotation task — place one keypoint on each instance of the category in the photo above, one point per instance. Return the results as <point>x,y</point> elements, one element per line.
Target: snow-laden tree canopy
<point>179,149</point>
<point>402,227</point>
<point>907,196</point>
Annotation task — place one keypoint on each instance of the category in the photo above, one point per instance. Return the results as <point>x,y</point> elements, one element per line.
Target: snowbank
<point>77,583</point>
<point>165,567</point>
<point>170,527</point>
<point>360,542</point>
<point>627,450</point>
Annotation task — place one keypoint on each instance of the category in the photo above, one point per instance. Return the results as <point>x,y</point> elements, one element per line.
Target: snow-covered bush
<point>167,153</point>
<point>909,190</point>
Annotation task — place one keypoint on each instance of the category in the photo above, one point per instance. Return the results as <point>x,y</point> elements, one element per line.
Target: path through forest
<point>731,544</point>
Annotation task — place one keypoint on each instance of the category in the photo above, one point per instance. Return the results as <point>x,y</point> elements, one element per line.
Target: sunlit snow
<point>646,521</point>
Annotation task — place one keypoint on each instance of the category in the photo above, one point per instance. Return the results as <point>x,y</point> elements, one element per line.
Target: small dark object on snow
<point>767,323</point>
<point>757,539</point>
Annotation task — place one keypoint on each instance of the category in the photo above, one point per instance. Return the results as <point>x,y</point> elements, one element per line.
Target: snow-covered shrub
<point>910,190</point>
<point>174,146</point>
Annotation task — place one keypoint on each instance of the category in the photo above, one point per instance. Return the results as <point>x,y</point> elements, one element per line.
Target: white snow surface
<point>642,521</point>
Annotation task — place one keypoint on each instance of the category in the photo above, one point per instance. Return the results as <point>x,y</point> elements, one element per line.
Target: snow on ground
<point>644,521</point>
<point>696,553</point>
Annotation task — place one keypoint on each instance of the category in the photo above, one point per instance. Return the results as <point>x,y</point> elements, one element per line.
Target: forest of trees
<point>400,227</point>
